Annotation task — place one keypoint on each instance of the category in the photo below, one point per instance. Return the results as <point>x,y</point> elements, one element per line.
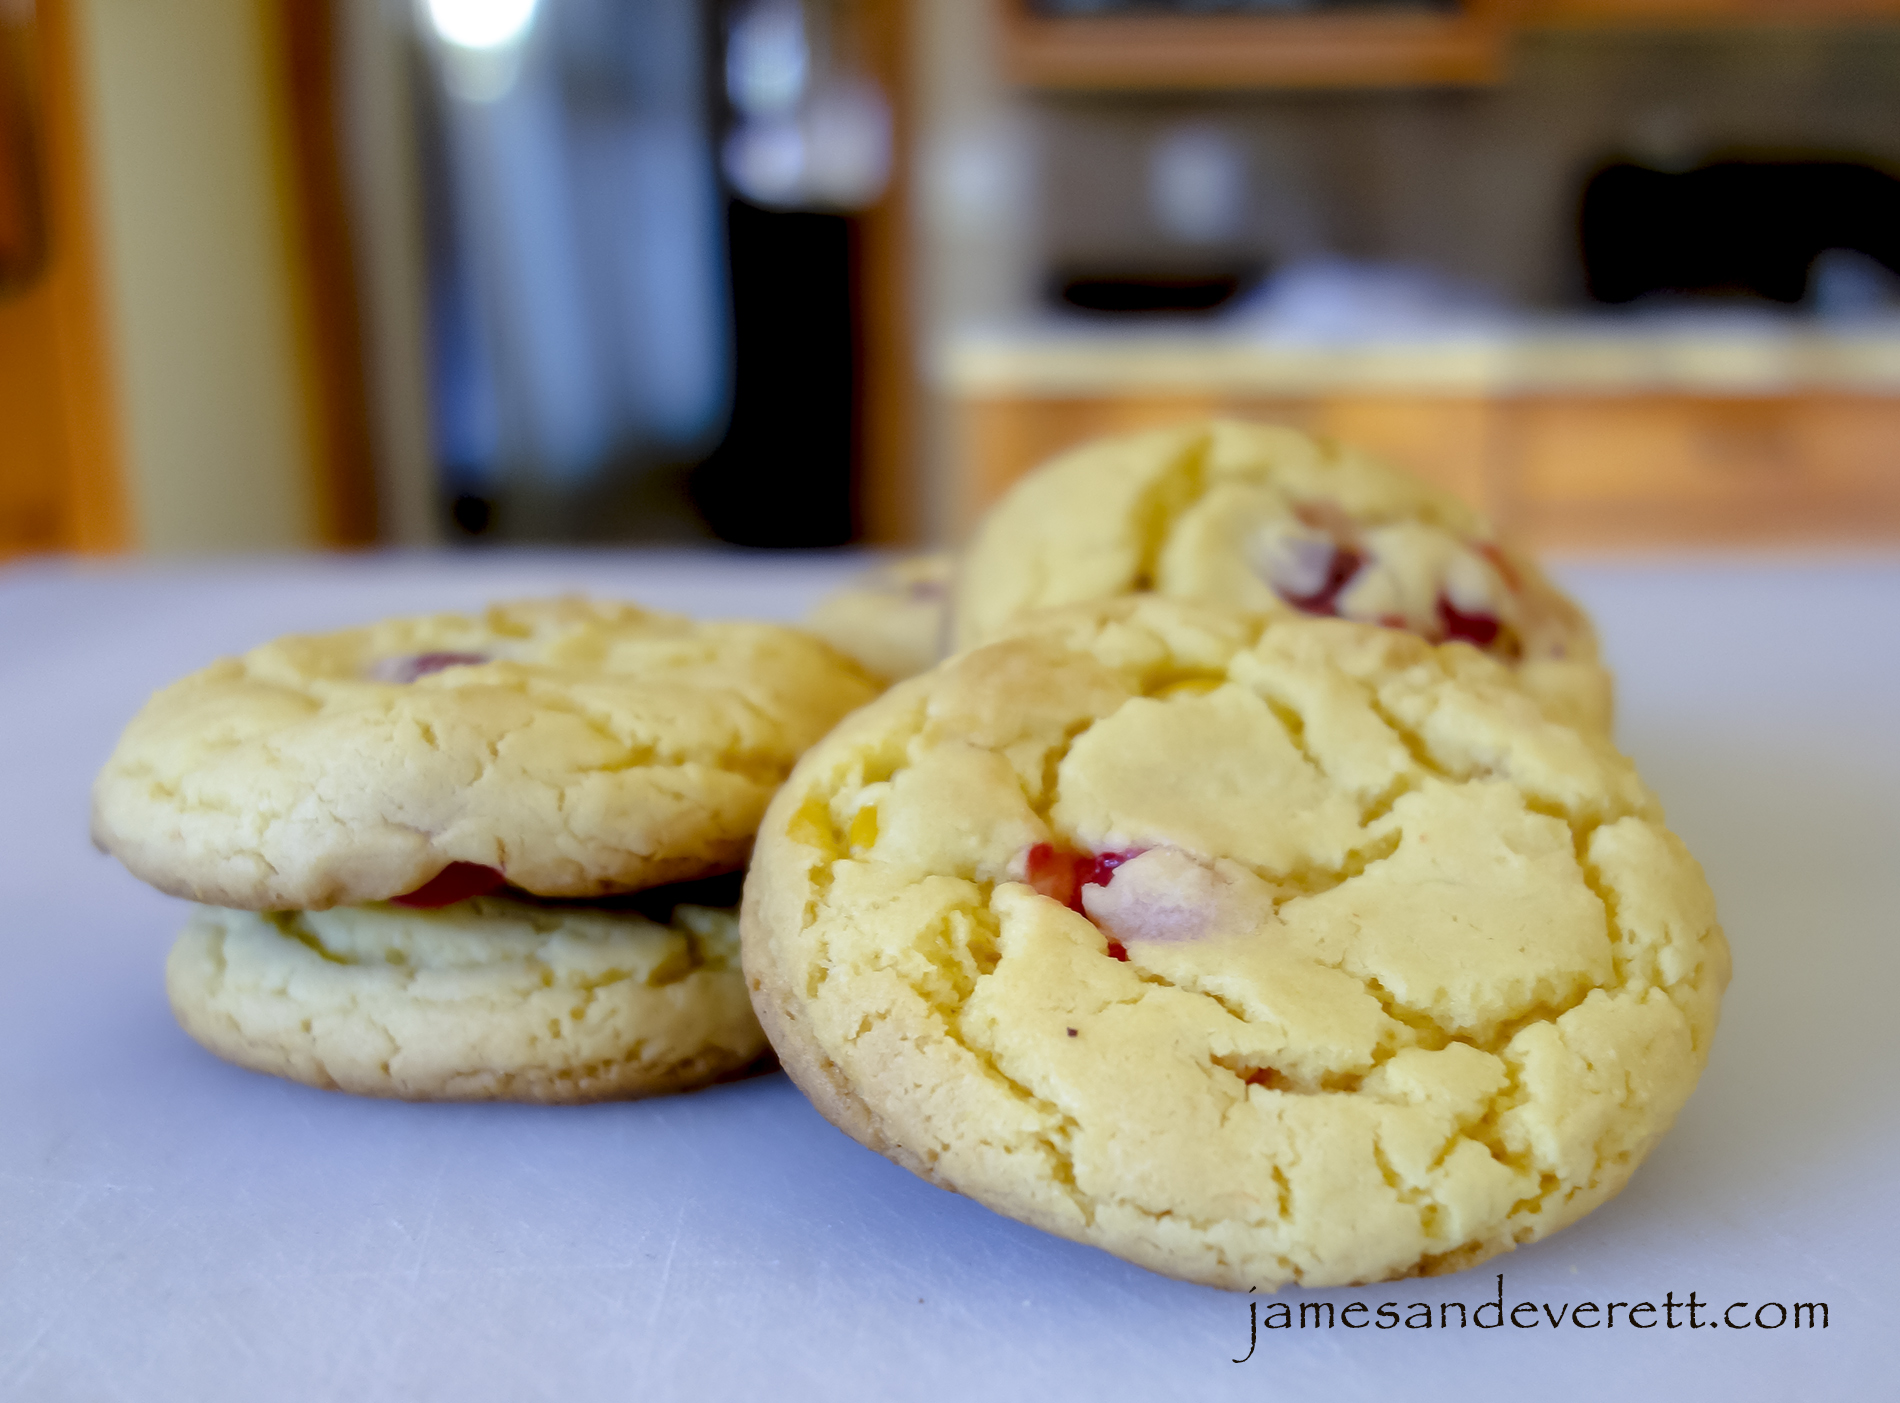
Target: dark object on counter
<point>1150,292</point>
<point>1752,228</point>
<point>783,474</point>
<point>472,514</point>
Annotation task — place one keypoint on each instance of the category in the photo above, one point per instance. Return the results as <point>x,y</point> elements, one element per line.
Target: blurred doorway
<point>646,280</point>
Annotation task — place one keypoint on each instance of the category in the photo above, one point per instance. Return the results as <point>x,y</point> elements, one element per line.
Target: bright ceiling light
<point>481,24</point>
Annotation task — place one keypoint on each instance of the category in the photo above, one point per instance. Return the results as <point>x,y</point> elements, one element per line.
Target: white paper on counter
<point>174,1228</point>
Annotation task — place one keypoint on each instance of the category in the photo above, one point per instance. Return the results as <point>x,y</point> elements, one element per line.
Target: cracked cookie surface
<point>893,619</point>
<point>490,999</point>
<point>1359,966</point>
<point>577,749</point>
<point>1264,519</point>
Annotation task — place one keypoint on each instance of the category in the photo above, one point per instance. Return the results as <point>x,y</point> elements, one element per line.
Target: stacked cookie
<point>1259,895</point>
<point>471,858</point>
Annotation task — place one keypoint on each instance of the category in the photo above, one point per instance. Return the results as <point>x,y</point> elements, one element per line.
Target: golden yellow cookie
<point>893,619</point>
<point>571,748</point>
<point>489,999</point>
<point>1254,949</point>
<point>1261,518</point>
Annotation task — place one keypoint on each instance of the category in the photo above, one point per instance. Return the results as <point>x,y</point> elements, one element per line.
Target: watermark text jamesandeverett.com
<point>1691,1313</point>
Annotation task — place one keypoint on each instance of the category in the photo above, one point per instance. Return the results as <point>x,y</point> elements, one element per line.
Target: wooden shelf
<point>1347,50</point>
<point>1376,49</point>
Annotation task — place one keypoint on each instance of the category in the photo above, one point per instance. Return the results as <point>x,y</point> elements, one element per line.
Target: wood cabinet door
<point>1675,470</point>
<point>60,487</point>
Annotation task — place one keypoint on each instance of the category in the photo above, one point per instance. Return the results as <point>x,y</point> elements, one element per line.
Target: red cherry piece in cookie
<point>1052,871</point>
<point>1324,601</point>
<point>1060,874</point>
<point>457,882</point>
<point>426,663</point>
<point>1099,870</point>
<point>1480,630</point>
<point>408,669</point>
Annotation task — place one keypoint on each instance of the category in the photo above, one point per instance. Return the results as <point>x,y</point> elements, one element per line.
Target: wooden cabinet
<point>1560,471</point>
<point>60,487</point>
<point>1368,48</point>
<point>1678,13</point>
<point>1678,470</point>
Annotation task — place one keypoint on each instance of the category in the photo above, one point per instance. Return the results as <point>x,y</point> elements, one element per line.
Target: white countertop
<point>1737,354</point>
<point>175,1228</point>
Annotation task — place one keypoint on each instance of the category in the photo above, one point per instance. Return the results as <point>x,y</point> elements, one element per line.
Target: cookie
<point>894,619</point>
<point>1262,518</point>
<point>488,999</point>
<point>572,749</point>
<point>1253,949</point>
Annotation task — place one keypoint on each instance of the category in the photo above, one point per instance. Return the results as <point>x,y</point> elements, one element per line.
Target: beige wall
<point>381,168</point>
<point>198,262</point>
<point>976,232</point>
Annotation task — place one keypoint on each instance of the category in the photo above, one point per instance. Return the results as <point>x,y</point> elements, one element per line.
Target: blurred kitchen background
<point>280,274</point>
